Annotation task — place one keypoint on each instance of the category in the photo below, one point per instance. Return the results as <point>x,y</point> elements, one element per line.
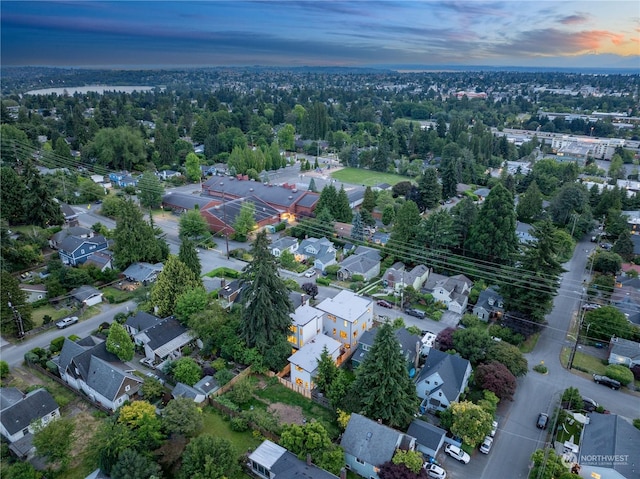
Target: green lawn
<point>39,313</point>
<point>215,424</point>
<point>359,176</point>
<point>583,362</point>
<point>529,344</point>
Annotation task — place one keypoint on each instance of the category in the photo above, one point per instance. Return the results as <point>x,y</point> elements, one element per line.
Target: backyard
<point>359,176</point>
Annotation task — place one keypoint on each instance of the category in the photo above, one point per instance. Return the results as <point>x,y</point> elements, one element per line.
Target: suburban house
<point>19,413</point>
<point>397,277</point>
<point>283,244</point>
<point>166,174</point>
<point>221,216</point>
<point>609,448</point>
<point>101,260</point>
<point>140,321</point>
<point>87,366</point>
<point>304,362</point>
<point>164,340</point>
<point>86,295</point>
<point>626,298</point>
<point>70,215</point>
<point>452,291</point>
<point>122,179</point>
<point>347,316</point>
<point>489,305</point>
<point>380,237</point>
<point>365,261</point>
<point>34,292</point>
<point>75,250</point>
<point>368,444</point>
<point>143,273</point>
<point>410,347</point>
<point>182,390</point>
<point>78,231</point>
<point>321,250</point>
<point>207,386</point>
<point>429,438</point>
<point>623,351</point>
<point>270,460</point>
<point>442,380</point>
<point>306,323</point>
<point>228,293</point>
<point>523,232</point>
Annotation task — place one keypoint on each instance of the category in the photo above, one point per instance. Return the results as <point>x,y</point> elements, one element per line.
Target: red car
<point>384,304</point>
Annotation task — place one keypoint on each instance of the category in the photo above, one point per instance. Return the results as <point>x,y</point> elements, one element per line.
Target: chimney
<point>309,459</point>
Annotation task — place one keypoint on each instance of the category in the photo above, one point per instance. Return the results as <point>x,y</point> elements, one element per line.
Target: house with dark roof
<point>101,260</point>
<point>429,438</point>
<point>453,291</point>
<point>139,322</point>
<point>78,231</point>
<point>207,386</point>
<point>87,366</point>
<point>304,362</point>
<point>75,250</point>
<point>270,461</point>
<point>286,243</point>
<point>624,351</point>
<point>442,380</point>
<point>368,444</point>
<point>70,215</point>
<point>626,297</point>
<point>87,295</point>
<point>380,237</point>
<point>19,413</point>
<point>489,305</point>
<point>164,340</point>
<point>410,347</point>
<point>34,292</point>
<point>144,273</point>
<point>222,216</point>
<point>321,250</point>
<point>228,293</point>
<point>523,232</point>
<point>365,261</point>
<point>123,179</point>
<point>182,390</point>
<point>398,278</point>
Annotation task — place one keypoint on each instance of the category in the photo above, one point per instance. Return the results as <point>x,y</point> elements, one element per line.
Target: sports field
<point>358,176</point>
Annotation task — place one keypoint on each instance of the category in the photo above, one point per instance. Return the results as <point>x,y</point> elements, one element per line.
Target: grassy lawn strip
<point>529,344</point>
<point>583,362</point>
<point>218,426</point>
<point>56,314</point>
<point>359,176</point>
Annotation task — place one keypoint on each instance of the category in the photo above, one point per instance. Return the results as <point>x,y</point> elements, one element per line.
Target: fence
<point>288,384</point>
<point>231,413</point>
<point>230,384</point>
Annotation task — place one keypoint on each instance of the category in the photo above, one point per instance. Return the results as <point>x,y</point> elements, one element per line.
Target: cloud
<point>574,19</point>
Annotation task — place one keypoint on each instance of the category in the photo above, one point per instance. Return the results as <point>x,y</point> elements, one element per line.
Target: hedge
<point>223,272</point>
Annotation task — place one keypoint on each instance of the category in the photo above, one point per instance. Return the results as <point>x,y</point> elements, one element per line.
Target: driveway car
<point>589,404</point>
<point>457,453</point>
<point>612,383</point>
<point>63,323</point>
<point>416,313</point>
<point>434,471</point>
<point>485,447</point>
<point>494,428</point>
<point>543,420</point>
<point>156,377</point>
<point>384,304</point>
<point>310,274</point>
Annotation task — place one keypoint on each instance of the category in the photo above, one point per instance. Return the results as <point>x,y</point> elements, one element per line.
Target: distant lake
<point>86,89</point>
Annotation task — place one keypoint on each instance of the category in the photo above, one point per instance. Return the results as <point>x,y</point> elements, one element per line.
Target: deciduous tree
<point>470,422</point>
<point>119,342</point>
<point>209,457</point>
<point>312,438</point>
<point>472,343</point>
<point>132,464</point>
<point>191,302</point>
<point>54,440</point>
<point>245,222</point>
<point>606,322</point>
<point>192,167</point>
<point>497,378</point>
<point>510,356</point>
<point>182,416</point>
<point>187,371</point>
<point>150,190</point>
<point>193,226</point>
<point>311,289</point>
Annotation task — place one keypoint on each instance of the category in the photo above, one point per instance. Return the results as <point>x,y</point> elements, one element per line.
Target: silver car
<point>434,471</point>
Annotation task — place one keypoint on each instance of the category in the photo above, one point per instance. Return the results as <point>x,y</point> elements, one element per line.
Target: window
<point>334,331</point>
<point>127,387</point>
<point>355,333</point>
<point>25,430</point>
<point>82,251</point>
<point>359,461</point>
<point>331,317</point>
<point>355,322</point>
<point>363,325</point>
<point>298,368</point>
<point>345,323</point>
<point>299,381</point>
<point>343,334</point>
<point>53,414</point>
<point>366,347</point>
<point>293,328</point>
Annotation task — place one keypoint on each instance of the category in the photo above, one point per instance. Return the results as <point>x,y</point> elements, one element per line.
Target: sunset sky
<point>526,33</point>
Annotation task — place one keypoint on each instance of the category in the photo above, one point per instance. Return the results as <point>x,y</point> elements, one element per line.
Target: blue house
<point>123,179</point>
<point>75,250</point>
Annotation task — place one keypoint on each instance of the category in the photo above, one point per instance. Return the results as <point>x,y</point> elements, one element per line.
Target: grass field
<point>215,424</point>
<point>358,176</point>
<point>56,314</point>
<point>583,361</point>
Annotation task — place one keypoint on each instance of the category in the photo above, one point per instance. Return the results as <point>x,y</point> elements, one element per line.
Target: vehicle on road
<point>612,383</point>
<point>485,447</point>
<point>310,274</point>
<point>416,313</point>
<point>494,428</point>
<point>543,420</point>
<point>457,453</point>
<point>434,471</point>
<point>63,323</point>
<point>589,404</point>
<point>384,303</point>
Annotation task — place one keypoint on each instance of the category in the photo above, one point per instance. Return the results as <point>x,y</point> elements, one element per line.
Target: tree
<point>328,199</point>
<point>4,369</point>
<point>191,302</point>
<point>187,371</point>
<point>445,338</point>
<point>54,440</point>
<point>388,215</point>
<point>607,262</point>
<point>606,322</point>
<point>151,388</point>
<point>341,209</point>
<point>118,148</point>
<point>265,317</point>
<point>389,470</point>
<point>192,167</point>
<point>189,256</point>
<point>193,226</point>
<point>430,191</point>
<point>311,289</point>
<point>286,137</point>
<point>624,246</point>
<point>369,201</point>
<point>13,306</point>
<point>327,371</point>
<point>109,441</point>
<point>437,230</point>
<point>470,422</point>
<point>472,343</point>
<point>140,417</point>
<point>497,378</point>
<point>572,399</point>
<point>530,205</point>
<point>620,373</point>
<point>39,206</point>
<point>382,380</point>
<point>510,356</point>
<point>209,457</point>
<point>175,279</point>
<point>133,465</point>
<point>119,342</point>
<point>405,228</point>
<point>182,416</point>
<point>312,438</point>
<point>245,221</point>
<point>412,460</point>
<point>489,402</point>
<point>150,190</point>
<point>549,465</point>
<point>357,231</point>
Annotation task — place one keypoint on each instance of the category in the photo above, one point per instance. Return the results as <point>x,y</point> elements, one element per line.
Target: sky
<point>148,34</point>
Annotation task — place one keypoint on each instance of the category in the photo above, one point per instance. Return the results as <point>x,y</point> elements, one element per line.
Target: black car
<point>589,404</point>
<point>416,313</point>
<point>543,419</point>
<point>612,383</point>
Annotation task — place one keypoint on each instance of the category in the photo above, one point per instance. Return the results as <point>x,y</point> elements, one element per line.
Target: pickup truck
<point>63,323</point>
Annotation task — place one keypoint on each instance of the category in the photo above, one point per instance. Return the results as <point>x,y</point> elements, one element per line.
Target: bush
<point>620,373</point>
<point>332,270</point>
<point>239,424</point>
<point>4,369</point>
<point>358,278</point>
<point>56,344</point>
<point>281,226</point>
<point>540,368</point>
<point>187,350</point>
<point>51,366</point>
<point>323,281</point>
<point>219,364</point>
<point>46,319</point>
<point>223,376</point>
<point>636,423</point>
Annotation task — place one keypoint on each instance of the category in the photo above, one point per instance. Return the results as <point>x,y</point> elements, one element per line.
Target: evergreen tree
<point>383,384</point>
<point>357,232</point>
<point>12,192</point>
<point>10,293</point>
<point>39,206</point>
<point>327,371</point>
<point>150,190</point>
<point>175,279</point>
<point>388,215</point>
<point>430,191</point>
<point>119,342</point>
<point>312,185</point>
<point>624,246</point>
<point>464,215</point>
<point>134,465</point>
<point>381,158</point>
<point>189,256</point>
<point>342,211</point>
<point>245,221</point>
<point>194,226</point>
<point>328,199</point>
<point>265,317</point>
<point>437,230</point>
<point>530,205</point>
<point>405,228</point>
<point>353,157</point>
<point>369,202</point>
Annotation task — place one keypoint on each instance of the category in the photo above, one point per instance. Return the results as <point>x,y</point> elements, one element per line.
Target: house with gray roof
<point>101,260</point>
<point>144,273</point>
<point>207,386</point>
<point>74,250</point>
<point>19,413</point>
<point>442,380</point>
<point>453,291</point>
<point>523,232</point>
<point>364,261</point>
<point>429,438</point>
<point>87,366</point>
<point>380,237</point>
<point>397,277</point>
<point>626,299</point>
<point>410,347</point>
<point>87,295</point>
<point>34,292</point>
<point>304,362</point>
<point>624,351</point>
<point>270,461</point>
<point>306,323</point>
<point>70,215</point>
<point>321,250</point>
<point>78,231</point>
<point>139,322</point>
<point>182,390</point>
<point>489,305</point>
<point>164,340</point>
<point>368,444</point>
<point>286,243</point>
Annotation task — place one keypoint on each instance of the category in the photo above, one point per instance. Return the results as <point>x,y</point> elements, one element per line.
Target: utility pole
<point>17,318</point>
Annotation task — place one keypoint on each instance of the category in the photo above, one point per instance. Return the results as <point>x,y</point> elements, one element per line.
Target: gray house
<point>489,305</point>
<point>139,322</point>
<point>368,444</point>
<point>321,250</point>
<point>623,351</point>
<point>442,380</point>
<point>143,272</point>
<point>364,261</point>
<point>410,346</point>
<point>87,295</point>
<point>429,438</point>
<point>164,340</point>
<point>285,243</point>
<point>270,461</point>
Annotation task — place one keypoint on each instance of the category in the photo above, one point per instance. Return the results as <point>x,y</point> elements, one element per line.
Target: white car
<point>310,274</point>
<point>63,323</point>
<point>457,453</point>
<point>494,428</point>
<point>434,471</point>
<point>485,447</point>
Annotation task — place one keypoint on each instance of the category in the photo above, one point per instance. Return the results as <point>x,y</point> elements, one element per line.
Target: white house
<point>442,380</point>
<point>286,243</point>
<point>346,317</point>
<point>321,250</point>
<point>304,362</point>
<point>452,291</point>
<point>306,323</point>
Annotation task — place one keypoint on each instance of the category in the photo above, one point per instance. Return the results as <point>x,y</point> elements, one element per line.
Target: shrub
<point>332,270</point>
<point>540,368</point>
<point>223,376</point>
<point>4,369</point>
<point>281,226</point>
<point>46,319</point>
<point>358,278</point>
<point>187,350</point>
<point>263,419</point>
<point>239,424</point>
<point>323,281</point>
<point>219,364</point>
<point>228,403</point>
<point>636,423</point>
<point>74,337</point>
<point>56,344</point>
<point>620,373</point>
<point>51,366</point>
<point>120,318</point>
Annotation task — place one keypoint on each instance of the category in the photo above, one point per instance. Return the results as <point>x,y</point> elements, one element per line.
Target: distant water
<point>86,89</point>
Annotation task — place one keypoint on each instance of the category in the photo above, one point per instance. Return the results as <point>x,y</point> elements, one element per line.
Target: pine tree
<point>383,384</point>
<point>189,256</point>
<point>265,317</point>
<point>11,293</point>
<point>175,279</point>
<point>312,185</point>
<point>342,210</point>
<point>429,189</point>
<point>369,201</point>
<point>328,199</point>
<point>530,205</point>
<point>151,190</point>
<point>406,227</point>
<point>353,157</point>
<point>327,371</point>
<point>357,232</point>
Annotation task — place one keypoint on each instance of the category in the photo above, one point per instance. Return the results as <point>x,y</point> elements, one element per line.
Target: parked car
<point>434,471</point>
<point>494,428</point>
<point>384,303</point>
<point>416,313</point>
<point>156,377</point>
<point>612,383</point>
<point>543,420</point>
<point>310,273</point>
<point>485,447</point>
<point>457,453</point>
<point>63,323</point>
<point>589,404</point>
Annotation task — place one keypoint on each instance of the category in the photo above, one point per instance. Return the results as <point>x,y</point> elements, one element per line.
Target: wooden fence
<point>288,384</point>
<point>230,384</point>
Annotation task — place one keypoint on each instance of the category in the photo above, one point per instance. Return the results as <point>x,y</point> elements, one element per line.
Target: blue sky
<point>533,33</point>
